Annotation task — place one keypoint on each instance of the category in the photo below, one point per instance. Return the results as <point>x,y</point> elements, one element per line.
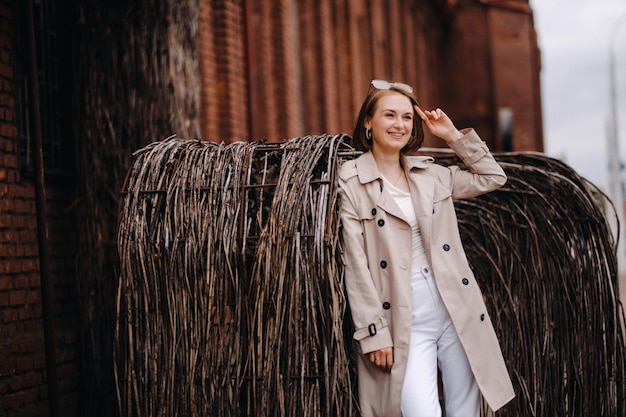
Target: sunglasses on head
<point>386,85</point>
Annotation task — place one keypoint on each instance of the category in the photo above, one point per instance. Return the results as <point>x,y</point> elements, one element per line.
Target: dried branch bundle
<point>231,301</point>
<point>231,294</point>
<point>544,255</point>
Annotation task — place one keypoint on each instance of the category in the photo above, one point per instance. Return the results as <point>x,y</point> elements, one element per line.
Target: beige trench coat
<point>377,242</point>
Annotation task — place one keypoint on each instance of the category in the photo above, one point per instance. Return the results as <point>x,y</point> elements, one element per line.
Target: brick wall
<point>490,61</point>
<point>281,69</point>
<point>515,62</point>
<point>309,64</point>
<point>222,57</point>
<point>270,69</point>
<point>23,389</point>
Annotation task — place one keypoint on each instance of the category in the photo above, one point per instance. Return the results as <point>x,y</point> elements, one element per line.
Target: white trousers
<point>436,345</point>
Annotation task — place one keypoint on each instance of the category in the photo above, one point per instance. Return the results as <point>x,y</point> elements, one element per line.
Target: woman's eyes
<point>391,115</point>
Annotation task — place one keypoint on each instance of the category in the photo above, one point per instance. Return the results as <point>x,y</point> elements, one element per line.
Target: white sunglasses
<point>386,85</point>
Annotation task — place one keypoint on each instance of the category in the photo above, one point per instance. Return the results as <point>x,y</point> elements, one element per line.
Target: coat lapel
<point>368,173</point>
<point>387,203</point>
<point>423,192</point>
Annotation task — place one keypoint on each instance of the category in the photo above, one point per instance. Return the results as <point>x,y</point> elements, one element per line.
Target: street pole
<point>615,171</point>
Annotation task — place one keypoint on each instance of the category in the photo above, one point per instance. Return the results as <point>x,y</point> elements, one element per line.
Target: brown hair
<point>360,141</point>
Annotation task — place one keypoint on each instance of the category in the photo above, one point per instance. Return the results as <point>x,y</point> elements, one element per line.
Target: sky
<point>573,38</point>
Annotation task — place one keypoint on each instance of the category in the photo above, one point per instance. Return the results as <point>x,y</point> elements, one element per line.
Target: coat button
<point>446,247</point>
<point>482,317</point>
<point>381,222</point>
<point>465,281</point>
<point>383,264</point>
<point>387,306</point>
<point>373,211</point>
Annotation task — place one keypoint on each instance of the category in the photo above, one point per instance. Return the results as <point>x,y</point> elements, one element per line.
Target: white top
<point>403,200</point>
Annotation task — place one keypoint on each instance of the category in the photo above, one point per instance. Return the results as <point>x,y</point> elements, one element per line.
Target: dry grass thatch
<point>230,297</point>
<point>545,258</point>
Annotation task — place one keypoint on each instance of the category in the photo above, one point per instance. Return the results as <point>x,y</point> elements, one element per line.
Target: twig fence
<point>230,294</point>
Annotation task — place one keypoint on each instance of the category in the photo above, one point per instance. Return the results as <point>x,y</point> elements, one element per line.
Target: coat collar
<point>422,190</point>
<point>367,170</point>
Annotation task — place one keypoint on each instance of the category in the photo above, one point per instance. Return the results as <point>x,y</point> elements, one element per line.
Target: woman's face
<point>391,123</point>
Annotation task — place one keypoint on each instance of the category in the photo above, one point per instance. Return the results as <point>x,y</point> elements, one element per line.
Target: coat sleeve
<point>371,327</point>
<point>484,175</point>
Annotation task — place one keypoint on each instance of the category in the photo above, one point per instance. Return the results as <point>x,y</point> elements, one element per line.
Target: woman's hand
<point>439,124</point>
<point>382,358</point>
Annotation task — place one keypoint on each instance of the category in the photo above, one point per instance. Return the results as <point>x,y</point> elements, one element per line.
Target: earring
<point>368,134</point>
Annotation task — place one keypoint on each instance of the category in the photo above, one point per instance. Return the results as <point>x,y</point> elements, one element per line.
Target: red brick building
<point>115,77</point>
<point>304,67</point>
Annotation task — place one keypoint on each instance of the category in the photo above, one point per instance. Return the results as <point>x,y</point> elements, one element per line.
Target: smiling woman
<point>403,102</point>
<point>415,303</point>
<point>390,128</point>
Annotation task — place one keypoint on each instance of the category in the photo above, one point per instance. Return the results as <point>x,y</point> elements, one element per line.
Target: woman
<point>415,303</point>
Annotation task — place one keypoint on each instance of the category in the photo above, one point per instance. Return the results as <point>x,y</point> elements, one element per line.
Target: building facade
<point>115,76</point>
